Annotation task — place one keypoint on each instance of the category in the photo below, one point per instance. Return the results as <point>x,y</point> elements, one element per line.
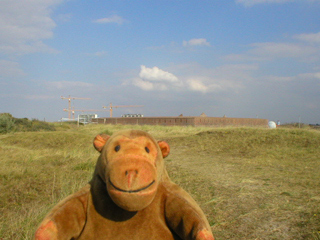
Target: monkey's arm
<point>184,215</point>
<point>67,219</point>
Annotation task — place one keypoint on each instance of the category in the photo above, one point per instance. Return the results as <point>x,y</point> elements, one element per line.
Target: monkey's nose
<point>130,172</point>
<point>131,176</point>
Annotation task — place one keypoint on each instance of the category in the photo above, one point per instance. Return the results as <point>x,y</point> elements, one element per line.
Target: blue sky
<point>239,58</point>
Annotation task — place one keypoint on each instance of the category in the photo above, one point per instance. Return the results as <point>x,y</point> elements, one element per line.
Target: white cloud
<point>311,76</point>
<point>273,50</point>
<point>306,76</point>
<point>64,17</point>
<point>309,37</point>
<point>196,42</point>
<point>9,69</point>
<point>156,74</point>
<point>197,85</point>
<point>231,78</point>
<point>225,78</point>
<point>144,85</point>
<point>25,24</point>
<point>156,79</point>
<point>113,19</point>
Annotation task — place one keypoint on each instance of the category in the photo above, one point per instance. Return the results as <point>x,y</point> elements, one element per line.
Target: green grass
<point>252,183</point>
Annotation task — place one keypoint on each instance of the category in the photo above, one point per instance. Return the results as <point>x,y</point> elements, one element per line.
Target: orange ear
<point>99,141</point>
<point>165,149</point>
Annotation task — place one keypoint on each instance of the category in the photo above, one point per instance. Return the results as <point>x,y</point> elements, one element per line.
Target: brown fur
<point>129,197</point>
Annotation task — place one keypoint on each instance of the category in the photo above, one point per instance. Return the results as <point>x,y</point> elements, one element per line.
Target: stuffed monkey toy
<point>129,197</point>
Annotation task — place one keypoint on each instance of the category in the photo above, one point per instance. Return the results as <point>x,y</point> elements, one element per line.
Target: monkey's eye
<point>117,148</point>
<point>147,149</point>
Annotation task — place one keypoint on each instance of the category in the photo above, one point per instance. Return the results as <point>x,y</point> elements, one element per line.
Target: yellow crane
<point>120,106</point>
<point>69,110</point>
<point>84,110</point>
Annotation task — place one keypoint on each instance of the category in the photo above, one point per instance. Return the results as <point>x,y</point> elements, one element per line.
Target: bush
<point>37,125</point>
<point>7,123</point>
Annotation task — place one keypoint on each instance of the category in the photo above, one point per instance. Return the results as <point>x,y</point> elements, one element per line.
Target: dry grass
<point>252,183</point>
<point>266,182</point>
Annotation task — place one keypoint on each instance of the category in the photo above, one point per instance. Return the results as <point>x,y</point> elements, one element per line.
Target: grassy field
<point>252,183</point>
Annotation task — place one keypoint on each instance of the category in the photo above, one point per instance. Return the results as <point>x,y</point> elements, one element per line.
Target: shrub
<point>7,123</point>
<point>37,125</point>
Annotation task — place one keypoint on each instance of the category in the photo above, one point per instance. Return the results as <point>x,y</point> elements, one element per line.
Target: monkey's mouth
<point>131,191</point>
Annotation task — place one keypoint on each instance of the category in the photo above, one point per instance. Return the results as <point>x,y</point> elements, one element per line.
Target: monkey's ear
<point>99,141</point>
<point>165,148</point>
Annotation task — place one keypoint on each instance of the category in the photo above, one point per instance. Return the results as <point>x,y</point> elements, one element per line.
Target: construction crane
<point>120,106</point>
<point>69,110</point>
<point>84,110</point>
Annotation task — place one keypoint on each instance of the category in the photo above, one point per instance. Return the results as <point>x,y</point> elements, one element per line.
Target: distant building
<point>86,118</point>
<point>184,121</point>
